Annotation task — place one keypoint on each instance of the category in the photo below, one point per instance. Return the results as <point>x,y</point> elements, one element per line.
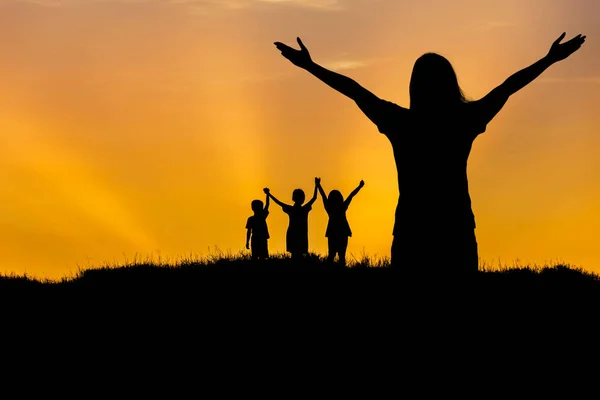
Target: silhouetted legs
<point>260,249</point>
<point>296,244</point>
<point>337,245</point>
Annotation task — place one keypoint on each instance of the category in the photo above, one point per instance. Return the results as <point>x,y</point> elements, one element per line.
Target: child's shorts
<point>260,249</point>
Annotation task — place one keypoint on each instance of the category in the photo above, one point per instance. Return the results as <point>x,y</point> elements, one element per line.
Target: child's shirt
<point>338,222</point>
<point>298,218</point>
<point>258,224</point>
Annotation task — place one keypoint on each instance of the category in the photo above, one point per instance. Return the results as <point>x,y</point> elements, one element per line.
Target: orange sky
<point>148,126</point>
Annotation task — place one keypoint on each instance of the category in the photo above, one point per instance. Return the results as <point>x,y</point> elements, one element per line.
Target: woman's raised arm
<point>493,102</point>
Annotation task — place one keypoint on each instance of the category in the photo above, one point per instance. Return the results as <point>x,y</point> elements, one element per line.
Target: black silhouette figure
<point>431,142</point>
<point>257,234</point>
<point>297,232</point>
<point>338,228</point>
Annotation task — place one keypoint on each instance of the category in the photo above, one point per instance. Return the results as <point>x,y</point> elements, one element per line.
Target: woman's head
<point>298,196</point>
<point>433,84</point>
<point>335,198</point>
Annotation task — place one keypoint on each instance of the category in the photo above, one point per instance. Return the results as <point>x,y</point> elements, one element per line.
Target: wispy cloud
<point>320,5</point>
<point>204,6</point>
<point>347,63</point>
<point>66,3</point>
<point>341,65</point>
<point>43,3</point>
<point>326,5</point>
<point>336,65</point>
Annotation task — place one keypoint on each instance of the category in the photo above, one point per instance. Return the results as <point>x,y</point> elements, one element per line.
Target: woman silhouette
<point>431,141</point>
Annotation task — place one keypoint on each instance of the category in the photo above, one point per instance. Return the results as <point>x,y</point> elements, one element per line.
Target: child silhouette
<point>297,232</point>
<point>258,232</point>
<point>338,228</point>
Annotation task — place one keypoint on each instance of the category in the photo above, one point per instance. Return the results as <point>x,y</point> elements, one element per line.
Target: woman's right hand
<point>300,58</point>
<point>560,51</point>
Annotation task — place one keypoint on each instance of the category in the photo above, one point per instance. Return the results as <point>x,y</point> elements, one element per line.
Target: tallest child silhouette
<point>431,142</point>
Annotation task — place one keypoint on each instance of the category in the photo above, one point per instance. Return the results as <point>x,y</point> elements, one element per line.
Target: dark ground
<point>234,314</point>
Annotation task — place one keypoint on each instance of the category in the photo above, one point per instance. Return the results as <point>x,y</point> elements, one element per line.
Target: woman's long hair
<point>335,200</point>
<point>434,85</point>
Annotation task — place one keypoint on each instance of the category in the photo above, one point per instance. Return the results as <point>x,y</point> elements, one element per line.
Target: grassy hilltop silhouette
<point>233,298</point>
<point>280,271</point>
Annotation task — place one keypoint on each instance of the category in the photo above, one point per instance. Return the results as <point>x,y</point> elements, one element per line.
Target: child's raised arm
<point>322,192</point>
<point>311,201</point>
<point>277,201</point>
<point>266,190</point>
<point>354,193</point>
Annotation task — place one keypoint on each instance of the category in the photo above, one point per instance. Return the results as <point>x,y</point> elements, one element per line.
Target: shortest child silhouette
<point>258,232</point>
<point>338,228</point>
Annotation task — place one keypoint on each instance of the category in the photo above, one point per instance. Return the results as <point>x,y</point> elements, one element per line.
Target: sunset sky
<point>148,126</point>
